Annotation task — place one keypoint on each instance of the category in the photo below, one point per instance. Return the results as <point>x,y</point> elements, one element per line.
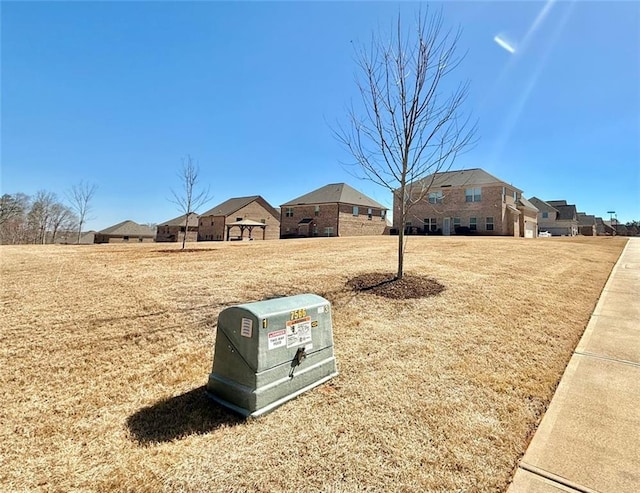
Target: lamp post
<point>611,213</point>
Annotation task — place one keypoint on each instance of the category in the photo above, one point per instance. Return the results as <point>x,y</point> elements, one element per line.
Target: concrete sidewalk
<point>589,438</point>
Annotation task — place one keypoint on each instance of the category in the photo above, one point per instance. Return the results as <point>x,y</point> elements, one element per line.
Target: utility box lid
<point>269,351</point>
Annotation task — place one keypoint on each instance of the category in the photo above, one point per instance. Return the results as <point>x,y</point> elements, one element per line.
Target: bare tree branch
<point>406,130</point>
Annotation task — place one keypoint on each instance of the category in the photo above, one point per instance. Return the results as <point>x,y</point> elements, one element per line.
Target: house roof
<point>128,228</point>
<point>541,205</point>
<point>335,193</point>
<point>230,206</point>
<point>246,222</point>
<point>586,219</point>
<point>566,212</point>
<point>179,221</point>
<point>526,204</point>
<point>463,177</point>
<point>554,203</point>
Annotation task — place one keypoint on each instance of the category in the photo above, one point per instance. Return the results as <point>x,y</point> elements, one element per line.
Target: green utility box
<point>268,352</point>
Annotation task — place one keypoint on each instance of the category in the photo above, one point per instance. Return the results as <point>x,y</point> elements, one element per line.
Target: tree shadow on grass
<point>192,413</point>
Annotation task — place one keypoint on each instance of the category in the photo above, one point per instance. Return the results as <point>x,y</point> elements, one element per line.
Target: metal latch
<point>300,355</point>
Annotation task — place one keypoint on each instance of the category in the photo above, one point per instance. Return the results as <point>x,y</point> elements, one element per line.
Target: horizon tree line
<point>44,217</point>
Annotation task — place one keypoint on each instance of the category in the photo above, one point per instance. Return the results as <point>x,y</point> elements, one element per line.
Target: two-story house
<point>336,209</point>
<point>469,201</point>
<point>556,216</point>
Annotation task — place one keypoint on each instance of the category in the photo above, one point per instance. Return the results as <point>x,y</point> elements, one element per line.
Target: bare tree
<point>62,219</point>
<point>13,218</point>
<point>406,129</point>
<point>39,217</point>
<point>189,199</point>
<point>80,197</point>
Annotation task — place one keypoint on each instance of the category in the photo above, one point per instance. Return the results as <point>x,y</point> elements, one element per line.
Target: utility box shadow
<point>191,413</point>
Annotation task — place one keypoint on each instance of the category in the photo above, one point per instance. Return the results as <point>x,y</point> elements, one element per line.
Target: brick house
<point>556,216</point>
<point>469,201</point>
<point>231,220</point>
<point>336,209</point>
<point>125,232</point>
<point>174,230</point>
<point>586,224</point>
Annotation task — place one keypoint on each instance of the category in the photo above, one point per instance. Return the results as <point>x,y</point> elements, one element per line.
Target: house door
<point>446,226</point>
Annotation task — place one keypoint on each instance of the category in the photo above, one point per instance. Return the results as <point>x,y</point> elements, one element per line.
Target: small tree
<point>189,199</point>
<point>406,129</point>
<point>80,197</point>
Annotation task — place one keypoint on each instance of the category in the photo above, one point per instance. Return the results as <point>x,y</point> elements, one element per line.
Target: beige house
<point>174,229</point>
<point>240,218</point>
<point>556,216</point>
<point>333,210</point>
<point>469,201</point>
<point>126,232</point>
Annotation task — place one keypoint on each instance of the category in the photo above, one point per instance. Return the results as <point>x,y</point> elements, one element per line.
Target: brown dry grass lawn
<point>104,351</point>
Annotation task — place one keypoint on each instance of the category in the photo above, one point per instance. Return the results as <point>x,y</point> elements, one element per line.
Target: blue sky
<point>117,93</point>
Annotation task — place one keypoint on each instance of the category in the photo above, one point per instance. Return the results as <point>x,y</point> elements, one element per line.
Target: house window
<point>288,212</point>
<point>316,212</point>
<point>473,224</point>
<point>431,224</point>
<point>435,197</point>
<point>382,214</point>
<point>515,195</point>
<point>473,195</point>
<point>489,223</point>
<point>408,224</point>
<point>263,221</point>
<point>238,219</point>
<point>212,222</point>
<point>125,238</point>
<point>355,210</point>
<point>456,223</point>
<point>369,214</point>
<point>315,231</point>
<point>328,231</point>
<point>545,215</point>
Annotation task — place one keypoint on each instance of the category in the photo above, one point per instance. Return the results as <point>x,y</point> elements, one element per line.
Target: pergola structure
<point>247,224</point>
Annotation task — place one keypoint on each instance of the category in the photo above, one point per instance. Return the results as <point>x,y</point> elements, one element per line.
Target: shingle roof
<point>553,203</point>
<point>566,212</point>
<point>586,220</point>
<point>128,228</point>
<point>526,204</point>
<point>541,205</point>
<point>230,206</point>
<point>464,177</point>
<point>179,221</point>
<point>335,193</point>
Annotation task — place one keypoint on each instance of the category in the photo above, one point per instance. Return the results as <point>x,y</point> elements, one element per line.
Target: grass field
<point>105,349</point>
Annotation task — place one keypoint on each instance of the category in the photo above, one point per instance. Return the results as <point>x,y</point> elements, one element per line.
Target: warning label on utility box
<point>277,338</point>
<point>298,332</point>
